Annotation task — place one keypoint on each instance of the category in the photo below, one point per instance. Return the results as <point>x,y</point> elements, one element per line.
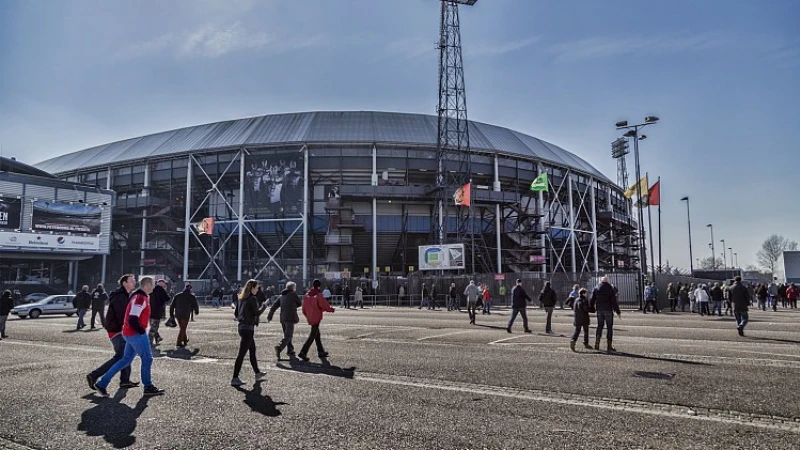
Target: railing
<point>338,239</point>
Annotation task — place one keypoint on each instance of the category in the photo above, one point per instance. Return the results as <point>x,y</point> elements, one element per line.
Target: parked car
<point>33,298</point>
<point>54,304</point>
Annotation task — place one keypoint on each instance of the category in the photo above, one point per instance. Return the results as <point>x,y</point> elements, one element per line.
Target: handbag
<point>171,323</point>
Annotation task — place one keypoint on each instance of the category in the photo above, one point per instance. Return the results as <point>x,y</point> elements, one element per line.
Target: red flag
<point>462,195</point>
<point>654,194</point>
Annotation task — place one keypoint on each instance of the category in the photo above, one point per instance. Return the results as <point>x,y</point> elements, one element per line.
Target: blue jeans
<point>119,351</point>
<point>134,345</point>
<point>605,318</point>
<point>522,312</point>
<point>81,313</point>
<point>717,308</point>
<point>741,319</point>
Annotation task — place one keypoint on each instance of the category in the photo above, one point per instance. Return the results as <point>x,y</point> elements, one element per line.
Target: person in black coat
<point>82,302</point>
<point>182,308</point>
<point>261,296</point>
<point>581,321</point>
<point>547,298</point>
<point>604,301</point>
<point>288,303</point>
<point>740,298</point>
<point>519,305</point>
<point>6,305</point>
<point>158,309</point>
<point>247,313</point>
<point>99,298</point>
<point>345,296</point>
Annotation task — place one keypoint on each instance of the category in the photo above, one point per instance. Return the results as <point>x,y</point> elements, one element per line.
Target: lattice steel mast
<point>452,150</point>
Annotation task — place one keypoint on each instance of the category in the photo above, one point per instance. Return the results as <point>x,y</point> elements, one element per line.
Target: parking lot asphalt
<point>417,379</point>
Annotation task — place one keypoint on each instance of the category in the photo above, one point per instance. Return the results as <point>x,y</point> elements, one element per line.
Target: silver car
<point>54,304</point>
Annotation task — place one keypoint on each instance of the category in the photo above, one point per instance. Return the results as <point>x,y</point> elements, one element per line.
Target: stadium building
<point>341,194</point>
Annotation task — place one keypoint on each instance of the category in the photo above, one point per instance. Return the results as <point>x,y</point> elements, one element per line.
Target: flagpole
<point>650,230</point>
<point>660,267</point>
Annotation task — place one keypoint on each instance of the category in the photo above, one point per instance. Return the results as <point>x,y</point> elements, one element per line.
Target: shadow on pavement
<point>786,341</point>
<point>262,404</point>
<point>183,353</point>
<point>112,420</point>
<point>654,358</point>
<point>494,327</point>
<point>324,368</point>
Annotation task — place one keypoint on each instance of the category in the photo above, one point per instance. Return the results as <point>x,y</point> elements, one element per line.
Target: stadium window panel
<point>162,165</point>
<point>137,169</point>
<point>357,152</point>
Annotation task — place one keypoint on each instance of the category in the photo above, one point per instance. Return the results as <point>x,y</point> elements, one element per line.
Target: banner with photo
<point>274,185</point>
<point>441,257</point>
<point>63,217</point>
<point>10,209</point>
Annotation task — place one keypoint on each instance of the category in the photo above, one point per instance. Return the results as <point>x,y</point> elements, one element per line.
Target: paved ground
<point>400,378</point>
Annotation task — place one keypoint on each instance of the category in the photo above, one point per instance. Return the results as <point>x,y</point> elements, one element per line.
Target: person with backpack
<point>762,294</point>
<point>115,318</point>
<point>314,305</point>
<point>247,313</point>
<point>288,302</point>
<point>604,302</point>
<point>547,298</point>
<point>216,297</point>
<point>581,320</point>
<point>740,298</point>
<point>99,298</point>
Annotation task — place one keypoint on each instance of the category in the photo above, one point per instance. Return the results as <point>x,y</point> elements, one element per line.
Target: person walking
<point>99,298</point>
<point>651,298</point>
<point>761,295</point>
<point>573,295</point>
<point>424,300</point>
<point>247,313</point>
<point>604,302</point>
<point>434,304</point>
<point>740,297</point>
<point>346,296</point>
<point>683,295</point>
<point>581,320</point>
<point>114,320</point>
<point>792,293</point>
<point>487,300</point>
<point>717,297</point>
<point>183,306</point>
<point>502,293</point>
<point>268,293</point>
<point>519,305</point>
<point>452,299</point>
<point>547,298</point>
<point>726,294</point>
<point>471,292</point>
<point>359,298</point>
<point>702,299</point>
<point>261,296</point>
<point>158,309</point>
<point>134,332</point>
<point>673,291</point>
<point>6,305</point>
<point>772,290</point>
<point>314,305</point>
<point>216,297</point>
<point>82,301</point>
<point>288,302</point>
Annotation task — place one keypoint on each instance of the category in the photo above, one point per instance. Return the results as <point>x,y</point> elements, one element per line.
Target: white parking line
<point>443,335</point>
<point>506,339</point>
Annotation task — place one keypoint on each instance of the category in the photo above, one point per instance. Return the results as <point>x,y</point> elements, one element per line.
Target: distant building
<point>787,269</point>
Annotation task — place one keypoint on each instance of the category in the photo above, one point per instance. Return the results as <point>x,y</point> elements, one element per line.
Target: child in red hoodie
<point>314,304</point>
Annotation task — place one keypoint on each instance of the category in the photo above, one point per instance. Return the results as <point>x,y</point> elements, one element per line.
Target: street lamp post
<point>713,251</point>
<point>730,252</point>
<point>736,260</point>
<point>689,221</point>
<point>724,255</point>
<point>633,132</point>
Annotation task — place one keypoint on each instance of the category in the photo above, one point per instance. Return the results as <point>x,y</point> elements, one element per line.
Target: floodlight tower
<point>454,168</point>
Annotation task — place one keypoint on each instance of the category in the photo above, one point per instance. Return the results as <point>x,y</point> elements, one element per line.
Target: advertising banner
<point>63,217</point>
<point>48,242</point>
<point>10,213</point>
<point>274,185</point>
<point>441,257</point>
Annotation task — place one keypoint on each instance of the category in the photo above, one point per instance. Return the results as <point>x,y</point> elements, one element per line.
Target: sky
<point>722,75</point>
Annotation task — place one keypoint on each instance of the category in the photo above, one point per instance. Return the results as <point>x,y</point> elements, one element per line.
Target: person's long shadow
<point>655,358</point>
<point>111,419</point>
<point>495,327</point>
<point>178,354</point>
<point>262,404</point>
<point>786,341</point>
<point>325,368</point>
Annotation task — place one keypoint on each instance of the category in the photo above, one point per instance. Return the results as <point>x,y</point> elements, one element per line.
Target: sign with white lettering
<point>52,242</point>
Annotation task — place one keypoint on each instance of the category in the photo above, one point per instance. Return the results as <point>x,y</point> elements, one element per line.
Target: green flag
<point>540,183</point>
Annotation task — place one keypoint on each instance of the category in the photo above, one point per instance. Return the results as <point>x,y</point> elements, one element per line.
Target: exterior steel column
<point>374,217</point>
<point>70,276</point>
<point>146,192</point>
<point>241,214</point>
<point>594,227</point>
<point>571,223</point>
<point>539,171</point>
<point>187,219</point>
<point>498,218</point>
<point>105,257</point>
<point>305,217</point>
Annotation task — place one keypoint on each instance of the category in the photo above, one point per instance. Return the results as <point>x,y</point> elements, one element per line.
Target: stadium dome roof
<point>329,127</point>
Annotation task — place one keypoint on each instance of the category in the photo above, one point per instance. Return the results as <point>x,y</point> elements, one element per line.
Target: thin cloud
<point>501,48</point>
<point>604,47</point>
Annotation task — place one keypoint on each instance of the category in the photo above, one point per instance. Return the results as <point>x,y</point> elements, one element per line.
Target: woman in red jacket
<point>487,298</point>
<point>314,304</point>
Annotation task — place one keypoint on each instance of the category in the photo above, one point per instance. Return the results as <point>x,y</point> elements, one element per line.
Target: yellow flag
<point>643,185</point>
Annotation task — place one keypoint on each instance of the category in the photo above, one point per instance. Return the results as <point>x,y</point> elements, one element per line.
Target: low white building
<point>787,269</point>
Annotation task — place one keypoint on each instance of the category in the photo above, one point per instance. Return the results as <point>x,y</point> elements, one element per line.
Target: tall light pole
<point>736,261</point>
<point>730,252</point>
<point>689,221</point>
<point>724,255</point>
<point>633,132</point>
<point>713,251</point>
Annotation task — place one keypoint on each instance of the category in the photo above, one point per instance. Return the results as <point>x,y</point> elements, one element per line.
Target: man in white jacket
<point>702,298</point>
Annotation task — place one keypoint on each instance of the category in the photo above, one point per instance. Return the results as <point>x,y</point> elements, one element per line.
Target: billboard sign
<point>48,242</point>
<point>441,257</point>
<point>274,185</point>
<point>10,209</point>
<point>66,218</point>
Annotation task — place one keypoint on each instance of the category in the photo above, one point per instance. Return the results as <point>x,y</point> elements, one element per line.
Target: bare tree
<point>771,250</point>
<point>711,263</point>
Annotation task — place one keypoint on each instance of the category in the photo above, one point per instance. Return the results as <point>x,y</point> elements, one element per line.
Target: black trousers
<point>314,336</point>
<point>577,333</point>
<point>247,344</point>
<point>100,312</point>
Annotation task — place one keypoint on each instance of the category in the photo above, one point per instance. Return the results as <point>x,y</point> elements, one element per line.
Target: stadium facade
<point>342,194</point>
